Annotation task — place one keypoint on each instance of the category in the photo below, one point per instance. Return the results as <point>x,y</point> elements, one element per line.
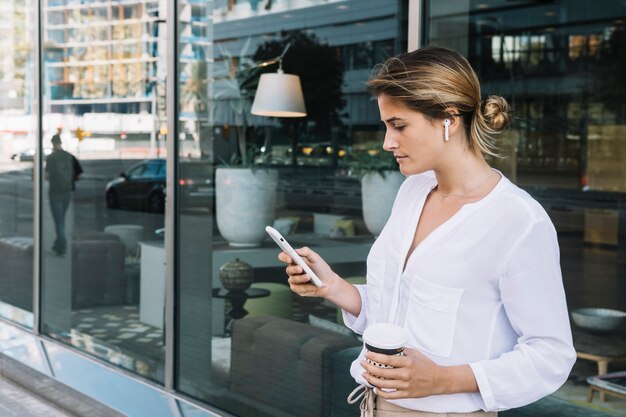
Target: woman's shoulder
<point>519,204</point>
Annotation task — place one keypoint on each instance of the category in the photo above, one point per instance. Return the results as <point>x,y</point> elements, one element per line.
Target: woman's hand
<point>412,376</point>
<point>415,375</point>
<point>299,282</point>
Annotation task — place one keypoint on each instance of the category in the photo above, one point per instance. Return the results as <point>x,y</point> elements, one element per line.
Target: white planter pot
<point>245,204</point>
<point>378,194</point>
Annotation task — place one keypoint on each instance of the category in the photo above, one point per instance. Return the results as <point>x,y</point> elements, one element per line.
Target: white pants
<point>387,409</point>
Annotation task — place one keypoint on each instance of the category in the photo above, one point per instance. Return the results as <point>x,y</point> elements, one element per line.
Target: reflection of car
<point>142,186</point>
<point>28,154</point>
<point>196,184</point>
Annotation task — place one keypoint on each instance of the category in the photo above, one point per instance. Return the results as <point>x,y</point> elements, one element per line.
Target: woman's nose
<point>389,143</point>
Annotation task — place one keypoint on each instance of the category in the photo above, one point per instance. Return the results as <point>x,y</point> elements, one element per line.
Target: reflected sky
<point>22,346</point>
<point>120,392</point>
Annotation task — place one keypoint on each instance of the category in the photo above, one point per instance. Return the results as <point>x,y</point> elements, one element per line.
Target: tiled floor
<point>120,325</point>
<point>115,333</point>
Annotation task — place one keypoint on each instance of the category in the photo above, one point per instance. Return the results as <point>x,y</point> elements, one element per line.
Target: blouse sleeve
<point>357,324</point>
<point>532,294</point>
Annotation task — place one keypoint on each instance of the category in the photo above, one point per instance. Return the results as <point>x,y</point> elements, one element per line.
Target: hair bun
<point>497,112</point>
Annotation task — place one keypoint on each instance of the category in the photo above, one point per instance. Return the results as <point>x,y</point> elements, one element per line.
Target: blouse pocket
<point>375,280</point>
<point>431,316</point>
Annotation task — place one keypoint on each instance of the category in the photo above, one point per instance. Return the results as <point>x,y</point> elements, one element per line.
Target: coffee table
<point>602,349</point>
<point>613,384</point>
<point>237,300</point>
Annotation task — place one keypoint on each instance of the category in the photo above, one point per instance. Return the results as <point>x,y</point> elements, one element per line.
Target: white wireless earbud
<point>446,130</point>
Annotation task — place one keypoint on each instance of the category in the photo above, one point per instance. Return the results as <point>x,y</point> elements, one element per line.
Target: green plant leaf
<point>253,159</point>
<point>372,160</point>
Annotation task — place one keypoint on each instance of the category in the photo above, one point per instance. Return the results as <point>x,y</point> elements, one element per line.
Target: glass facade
<point>301,183</point>
<point>151,259</point>
<point>102,218</point>
<point>18,126</point>
<point>556,64</point>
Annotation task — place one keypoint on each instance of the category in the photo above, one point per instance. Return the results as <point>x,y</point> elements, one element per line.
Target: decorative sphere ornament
<point>236,275</point>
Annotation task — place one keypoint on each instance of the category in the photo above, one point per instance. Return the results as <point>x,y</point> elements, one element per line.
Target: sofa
<point>16,280</point>
<point>97,270</point>
<point>283,368</point>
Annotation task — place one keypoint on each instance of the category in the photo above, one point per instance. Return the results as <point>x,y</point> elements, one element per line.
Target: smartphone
<point>286,247</point>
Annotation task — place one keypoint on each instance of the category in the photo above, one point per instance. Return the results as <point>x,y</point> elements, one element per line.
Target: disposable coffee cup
<point>385,338</point>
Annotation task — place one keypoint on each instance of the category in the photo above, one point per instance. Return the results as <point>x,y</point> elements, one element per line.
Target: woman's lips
<point>399,157</point>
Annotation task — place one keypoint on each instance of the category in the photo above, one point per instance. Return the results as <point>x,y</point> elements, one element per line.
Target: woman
<point>468,263</point>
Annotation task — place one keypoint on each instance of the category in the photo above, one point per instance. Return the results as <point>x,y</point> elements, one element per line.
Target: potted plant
<point>380,181</point>
<point>245,200</point>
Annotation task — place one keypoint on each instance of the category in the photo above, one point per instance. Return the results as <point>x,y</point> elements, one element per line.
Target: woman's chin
<point>407,170</point>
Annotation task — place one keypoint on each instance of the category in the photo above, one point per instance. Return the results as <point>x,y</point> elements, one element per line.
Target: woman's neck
<point>464,176</point>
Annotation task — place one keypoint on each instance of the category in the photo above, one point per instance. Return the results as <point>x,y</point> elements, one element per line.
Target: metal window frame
<point>415,29</point>
<point>171,212</point>
<point>37,170</point>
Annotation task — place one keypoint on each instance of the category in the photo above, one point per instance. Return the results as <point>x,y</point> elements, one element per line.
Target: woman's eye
<point>399,128</point>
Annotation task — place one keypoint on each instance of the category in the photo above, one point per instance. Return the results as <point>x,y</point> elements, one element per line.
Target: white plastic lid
<point>385,336</point>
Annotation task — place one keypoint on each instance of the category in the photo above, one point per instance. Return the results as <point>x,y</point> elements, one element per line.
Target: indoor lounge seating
<point>16,280</point>
<point>283,368</point>
<point>97,270</point>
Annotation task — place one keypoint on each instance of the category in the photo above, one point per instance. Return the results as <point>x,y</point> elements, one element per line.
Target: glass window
<point>18,111</point>
<point>243,338</point>
<point>103,261</point>
<point>557,63</point>
<point>154,170</point>
<point>137,172</point>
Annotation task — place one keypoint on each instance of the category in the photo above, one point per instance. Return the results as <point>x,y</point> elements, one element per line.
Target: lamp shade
<point>279,95</point>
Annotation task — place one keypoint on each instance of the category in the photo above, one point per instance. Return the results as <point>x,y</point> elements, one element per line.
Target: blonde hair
<point>434,80</point>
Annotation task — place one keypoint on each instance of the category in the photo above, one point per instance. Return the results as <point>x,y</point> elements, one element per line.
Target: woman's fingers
<point>294,269</point>
<point>377,371</point>
<point>395,361</point>
<point>283,257</point>
<point>382,382</point>
<point>391,395</point>
<point>300,285</point>
<point>304,252</point>
<point>298,279</point>
<point>299,282</point>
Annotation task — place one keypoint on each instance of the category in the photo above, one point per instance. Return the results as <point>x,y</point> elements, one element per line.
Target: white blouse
<point>484,289</point>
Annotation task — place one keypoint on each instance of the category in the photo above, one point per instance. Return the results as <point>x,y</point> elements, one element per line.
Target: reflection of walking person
<point>62,171</point>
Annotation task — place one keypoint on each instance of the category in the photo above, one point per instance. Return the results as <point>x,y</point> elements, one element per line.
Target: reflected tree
<point>195,94</point>
<point>319,67</point>
<point>236,81</point>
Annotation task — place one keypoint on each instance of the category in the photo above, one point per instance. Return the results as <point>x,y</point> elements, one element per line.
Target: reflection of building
<point>109,56</point>
<point>550,60</point>
<point>99,55</point>
<point>15,46</point>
